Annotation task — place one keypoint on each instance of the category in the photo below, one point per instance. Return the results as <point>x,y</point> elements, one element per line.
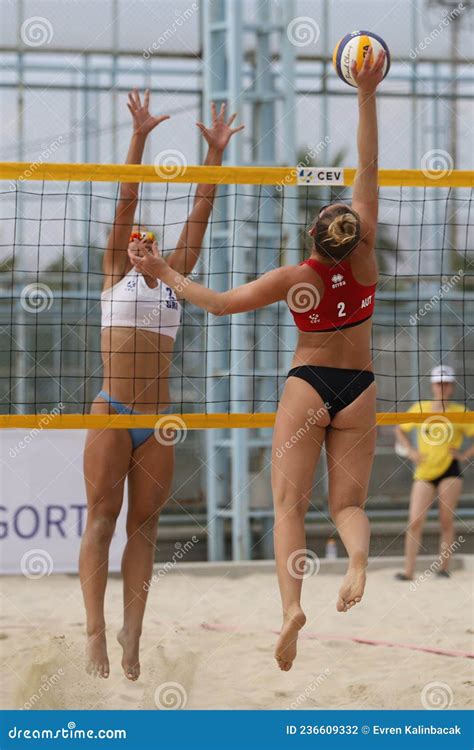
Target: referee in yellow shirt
<point>437,459</point>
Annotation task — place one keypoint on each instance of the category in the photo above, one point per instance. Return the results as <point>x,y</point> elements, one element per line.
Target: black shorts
<point>453,470</point>
<point>337,387</point>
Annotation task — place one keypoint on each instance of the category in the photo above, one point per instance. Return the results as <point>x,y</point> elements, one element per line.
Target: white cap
<point>442,374</point>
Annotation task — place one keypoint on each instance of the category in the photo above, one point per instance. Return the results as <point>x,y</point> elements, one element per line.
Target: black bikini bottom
<point>337,387</point>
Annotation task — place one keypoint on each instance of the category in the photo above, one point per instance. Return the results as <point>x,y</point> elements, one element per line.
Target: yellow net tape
<point>327,176</point>
<point>192,421</point>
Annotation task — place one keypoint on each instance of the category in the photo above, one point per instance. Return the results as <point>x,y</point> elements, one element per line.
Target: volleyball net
<point>226,371</point>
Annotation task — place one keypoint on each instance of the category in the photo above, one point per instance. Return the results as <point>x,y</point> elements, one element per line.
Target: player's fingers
<point>141,247</point>
<point>367,60</point>
<point>136,96</point>
<point>380,59</point>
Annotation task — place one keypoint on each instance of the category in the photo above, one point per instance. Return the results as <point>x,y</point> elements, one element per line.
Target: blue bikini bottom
<point>137,434</point>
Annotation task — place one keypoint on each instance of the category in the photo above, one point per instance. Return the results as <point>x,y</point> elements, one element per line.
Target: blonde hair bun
<point>342,230</point>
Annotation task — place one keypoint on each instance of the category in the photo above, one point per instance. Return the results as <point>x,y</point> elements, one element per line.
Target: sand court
<point>208,643</point>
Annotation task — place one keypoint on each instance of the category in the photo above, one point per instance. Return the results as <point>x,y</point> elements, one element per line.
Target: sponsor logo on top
<point>320,176</point>
<point>338,280</point>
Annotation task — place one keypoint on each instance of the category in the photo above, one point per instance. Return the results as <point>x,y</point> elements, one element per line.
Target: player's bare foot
<point>285,650</point>
<point>96,652</point>
<point>353,585</point>
<point>403,577</point>
<point>130,645</point>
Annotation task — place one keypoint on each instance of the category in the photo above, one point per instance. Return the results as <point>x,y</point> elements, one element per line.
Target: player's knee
<point>415,525</point>
<point>288,499</point>
<point>101,525</point>
<point>341,510</point>
<point>146,526</point>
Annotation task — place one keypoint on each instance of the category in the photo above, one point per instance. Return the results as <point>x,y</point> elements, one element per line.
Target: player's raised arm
<point>115,257</point>
<point>217,136</point>
<point>365,195</point>
<point>272,287</point>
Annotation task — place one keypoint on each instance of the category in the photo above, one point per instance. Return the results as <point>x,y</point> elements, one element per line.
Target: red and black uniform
<point>344,303</point>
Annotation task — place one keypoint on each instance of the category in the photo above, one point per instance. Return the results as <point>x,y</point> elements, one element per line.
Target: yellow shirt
<point>436,438</point>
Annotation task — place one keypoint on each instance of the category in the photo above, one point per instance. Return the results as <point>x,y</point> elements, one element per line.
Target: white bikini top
<point>131,303</point>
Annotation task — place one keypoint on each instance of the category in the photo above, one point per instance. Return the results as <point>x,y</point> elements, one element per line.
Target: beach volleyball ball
<point>354,47</point>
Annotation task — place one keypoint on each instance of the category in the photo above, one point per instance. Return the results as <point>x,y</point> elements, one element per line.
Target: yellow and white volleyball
<point>353,48</point>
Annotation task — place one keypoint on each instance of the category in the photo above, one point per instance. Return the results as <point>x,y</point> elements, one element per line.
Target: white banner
<point>43,503</point>
<point>320,176</point>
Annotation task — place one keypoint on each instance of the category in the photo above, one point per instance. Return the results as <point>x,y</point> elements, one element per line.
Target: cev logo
<point>319,176</point>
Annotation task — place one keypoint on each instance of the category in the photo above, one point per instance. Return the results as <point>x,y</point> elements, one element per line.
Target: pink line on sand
<point>353,639</point>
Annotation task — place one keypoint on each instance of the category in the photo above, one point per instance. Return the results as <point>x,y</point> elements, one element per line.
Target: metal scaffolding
<point>253,91</point>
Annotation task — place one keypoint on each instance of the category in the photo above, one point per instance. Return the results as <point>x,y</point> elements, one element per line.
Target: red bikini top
<point>345,302</point>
